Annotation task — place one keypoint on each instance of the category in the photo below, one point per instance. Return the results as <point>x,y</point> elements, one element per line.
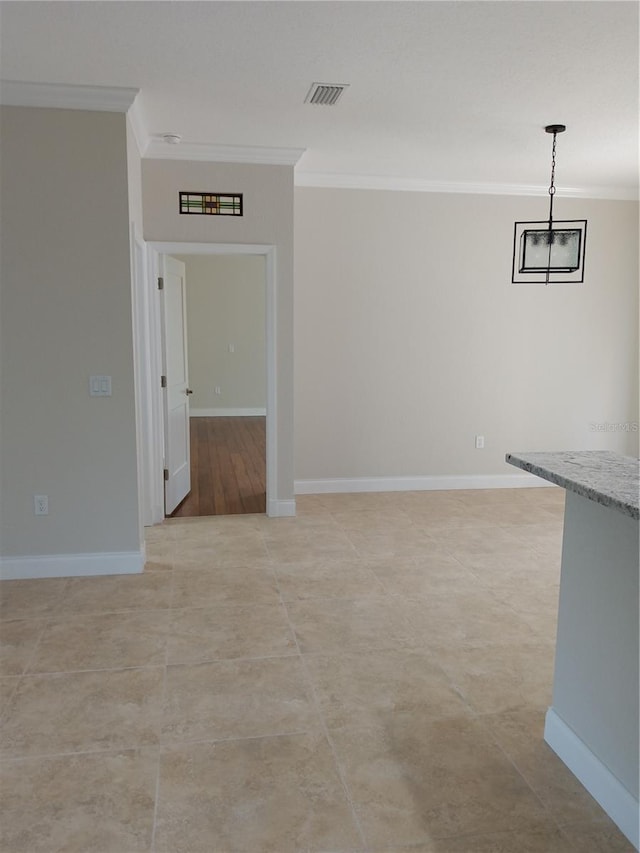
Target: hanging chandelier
<point>550,251</point>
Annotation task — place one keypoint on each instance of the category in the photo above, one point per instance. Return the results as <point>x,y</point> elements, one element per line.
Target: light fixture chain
<point>552,188</point>
<point>552,192</point>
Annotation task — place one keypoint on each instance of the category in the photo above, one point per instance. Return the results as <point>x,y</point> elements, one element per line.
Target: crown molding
<point>159,150</point>
<point>397,184</point>
<point>19,93</point>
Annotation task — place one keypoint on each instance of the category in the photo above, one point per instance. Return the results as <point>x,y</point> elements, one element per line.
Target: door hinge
<point>163,381</point>
<point>160,283</point>
<point>166,473</point>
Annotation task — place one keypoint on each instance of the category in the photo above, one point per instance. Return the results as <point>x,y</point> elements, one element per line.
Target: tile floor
<point>369,676</point>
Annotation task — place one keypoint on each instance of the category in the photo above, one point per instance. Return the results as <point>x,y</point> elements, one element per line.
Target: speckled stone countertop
<point>599,475</point>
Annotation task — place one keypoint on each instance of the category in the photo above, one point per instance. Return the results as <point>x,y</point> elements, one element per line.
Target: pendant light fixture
<point>552,251</point>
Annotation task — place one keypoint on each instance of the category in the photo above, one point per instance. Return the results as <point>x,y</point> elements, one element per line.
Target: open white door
<point>176,392</point>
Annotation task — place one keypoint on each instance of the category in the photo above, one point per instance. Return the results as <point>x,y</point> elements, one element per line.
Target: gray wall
<point>66,314</point>
<point>410,338</point>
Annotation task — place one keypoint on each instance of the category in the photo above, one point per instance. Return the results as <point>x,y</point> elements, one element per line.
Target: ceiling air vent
<point>326,94</point>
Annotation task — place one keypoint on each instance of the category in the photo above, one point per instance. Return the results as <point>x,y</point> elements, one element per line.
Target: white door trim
<point>153,422</point>
<point>269,253</point>
<point>145,324</point>
<point>175,369</point>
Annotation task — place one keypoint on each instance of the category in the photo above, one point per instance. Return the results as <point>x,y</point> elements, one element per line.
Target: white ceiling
<point>453,91</point>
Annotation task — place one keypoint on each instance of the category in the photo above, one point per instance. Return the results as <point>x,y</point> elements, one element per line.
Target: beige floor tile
<point>412,783</point>
<point>541,534</point>
<point>300,547</point>
<point>344,502</point>
<point>31,598</point>
<point>419,577</point>
<point>551,552</point>
<point>327,578</point>
<point>313,505</point>
<point>412,542</point>
<point>482,497</point>
<point>479,540</point>
<point>496,678</point>
<point>227,559</point>
<point>275,528</point>
<point>535,605</point>
<point>199,533</point>
<point>549,840</point>
<point>147,591</point>
<point>102,641</point>
<point>335,625</point>
<point>509,570</point>
<point>373,521</point>
<point>163,532</point>
<point>263,795</point>
<point>227,553</point>
<point>597,838</point>
<point>18,640</point>
<point>522,512</point>
<point>209,587</point>
<point>101,803</point>
<point>82,711</point>
<point>365,690</point>
<point>234,699</point>
<point>8,686</point>
<point>160,564</point>
<point>159,555</point>
<point>450,517</point>
<point>520,734</point>
<point>229,631</point>
<point>460,619</point>
<point>185,529</point>
<point>369,581</point>
<point>427,499</point>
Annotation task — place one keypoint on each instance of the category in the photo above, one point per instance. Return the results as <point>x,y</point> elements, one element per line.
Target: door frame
<point>177,484</point>
<point>153,480</point>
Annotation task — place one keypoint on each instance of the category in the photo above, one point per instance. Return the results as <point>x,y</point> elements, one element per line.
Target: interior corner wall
<point>226,299</point>
<point>267,220</point>
<point>411,339</point>
<point>66,315</point>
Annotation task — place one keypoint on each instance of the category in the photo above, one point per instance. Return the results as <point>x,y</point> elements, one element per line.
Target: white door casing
<point>176,392</point>
<point>275,505</point>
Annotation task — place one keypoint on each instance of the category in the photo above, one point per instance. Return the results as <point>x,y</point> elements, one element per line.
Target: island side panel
<point>596,685</point>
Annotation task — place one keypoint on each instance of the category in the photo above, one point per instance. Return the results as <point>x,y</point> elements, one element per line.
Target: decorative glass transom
<point>211,204</point>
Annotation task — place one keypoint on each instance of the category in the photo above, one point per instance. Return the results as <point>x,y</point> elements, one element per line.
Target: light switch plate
<point>100,386</point>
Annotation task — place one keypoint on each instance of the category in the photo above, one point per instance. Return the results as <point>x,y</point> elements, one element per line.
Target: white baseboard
<point>419,484</point>
<point>72,565</point>
<point>227,413</point>
<point>281,509</point>
<point>603,786</point>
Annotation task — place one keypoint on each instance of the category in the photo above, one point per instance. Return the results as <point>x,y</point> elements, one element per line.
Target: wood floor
<point>228,467</point>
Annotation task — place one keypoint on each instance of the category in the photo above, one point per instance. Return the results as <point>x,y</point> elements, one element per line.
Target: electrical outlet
<point>479,442</point>
<point>41,505</point>
<point>217,390</point>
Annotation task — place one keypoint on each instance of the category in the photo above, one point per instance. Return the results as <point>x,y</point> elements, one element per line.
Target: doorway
<point>153,484</point>
<point>224,345</point>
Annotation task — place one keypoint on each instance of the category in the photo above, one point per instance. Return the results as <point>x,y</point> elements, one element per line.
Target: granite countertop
<point>602,476</point>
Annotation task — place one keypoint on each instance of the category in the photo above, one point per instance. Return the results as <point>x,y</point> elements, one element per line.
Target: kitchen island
<point>593,721</point>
